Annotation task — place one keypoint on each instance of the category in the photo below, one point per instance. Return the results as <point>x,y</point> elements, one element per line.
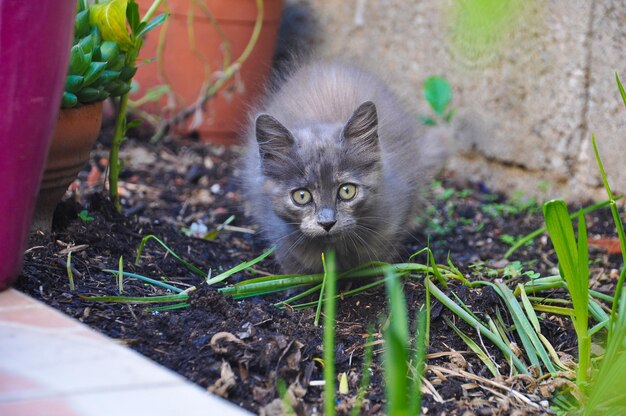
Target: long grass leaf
<point>420,346</point>
<point>329,335</point>
<point>532,345</point>
<point>342,295</point>
<point>169,307</point>
<point>310,291</point>
<point>147,280</point>
<point>607,389</point>
<point>138,299</point>
<point>618,222</point>
<point>268,286</point>
<point>395,355</point>
<point>536,233</point>
<point>70,274</point>
<point>242,266</point>
<point>530,313</point>
<point>476,349</point>
<point>184,262</point>
<point>457,310</point>
<point>318,311</point>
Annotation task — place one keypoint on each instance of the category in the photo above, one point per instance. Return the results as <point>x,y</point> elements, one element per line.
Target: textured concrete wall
<point>527,106</point>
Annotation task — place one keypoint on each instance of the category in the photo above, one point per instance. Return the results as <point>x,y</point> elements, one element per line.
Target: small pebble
<point>216,189</point>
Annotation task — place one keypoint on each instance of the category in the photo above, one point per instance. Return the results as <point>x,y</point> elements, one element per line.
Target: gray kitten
<point>333,159</point>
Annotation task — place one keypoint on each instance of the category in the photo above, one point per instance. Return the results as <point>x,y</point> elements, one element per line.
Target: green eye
<point>347,191</point>
<point>301,196</point>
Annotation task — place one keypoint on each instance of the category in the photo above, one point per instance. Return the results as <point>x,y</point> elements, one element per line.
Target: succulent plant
<point>97,67</point>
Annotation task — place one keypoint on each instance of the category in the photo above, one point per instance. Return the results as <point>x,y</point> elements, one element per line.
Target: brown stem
<point>212,89</point>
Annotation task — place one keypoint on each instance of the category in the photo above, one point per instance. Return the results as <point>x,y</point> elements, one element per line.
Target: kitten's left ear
<point>362,127</point>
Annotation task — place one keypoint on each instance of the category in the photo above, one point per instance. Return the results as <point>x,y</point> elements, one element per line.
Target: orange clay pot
<point>75,134</point>
<point>186,69</point>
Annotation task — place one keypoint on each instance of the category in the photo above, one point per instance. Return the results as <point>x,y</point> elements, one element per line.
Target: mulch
<point>243,349</point>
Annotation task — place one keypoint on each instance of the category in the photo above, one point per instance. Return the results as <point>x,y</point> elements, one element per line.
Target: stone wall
<point>527,101</point>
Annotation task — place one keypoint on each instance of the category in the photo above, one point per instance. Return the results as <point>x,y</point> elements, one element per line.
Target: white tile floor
<point>52,365</point>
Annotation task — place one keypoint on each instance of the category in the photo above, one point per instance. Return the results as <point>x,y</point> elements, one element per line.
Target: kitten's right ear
<point>274,139</point>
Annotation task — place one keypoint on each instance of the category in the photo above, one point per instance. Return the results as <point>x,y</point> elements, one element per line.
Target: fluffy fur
<point>328,125</point>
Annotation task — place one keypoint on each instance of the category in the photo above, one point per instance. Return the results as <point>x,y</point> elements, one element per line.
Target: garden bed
<point>169,186</point>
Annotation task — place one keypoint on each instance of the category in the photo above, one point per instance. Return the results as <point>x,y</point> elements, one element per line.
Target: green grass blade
<point>556,310</point>
<point>170,251</point>
<point>573,260</point>
<point>420,346</point>
<point>169,307</point>
<point>616,218</point>
<point>70,274</point>
<point>329,335</point>
<point>532,344</point>
<point>141,299</point>
<point>395,355</point>
<point>318,311</point>
<point>599,326</point>
<point>529,237</point>
<point>287,302</point>
<point>147,280</point>
<point>120,276</point>
<point>621,88</point>
<point>269,286</point>
<point>457,310</point>
<point>476,349</point>
<point>606,394</point>
<point>239,267</point>
<point>342,295</point>
<point>530,313</point>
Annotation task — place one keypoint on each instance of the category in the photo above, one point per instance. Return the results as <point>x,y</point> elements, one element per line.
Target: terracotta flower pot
<point>35,44</point>
<point>185,69</point>
<point>75,134</point>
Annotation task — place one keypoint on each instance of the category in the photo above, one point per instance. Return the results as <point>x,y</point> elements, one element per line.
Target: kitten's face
<point>323,180</point>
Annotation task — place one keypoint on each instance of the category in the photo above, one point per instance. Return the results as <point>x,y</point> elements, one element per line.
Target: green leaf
<point>81,24</point>
<point>152,24</point>
<point>132,15</point>
<point>110,17</point>
<point>79,61</point>
<point>449,115</point>
<point>169,250</point>
<point>134,123</point>
<point>396,354</point>
<point>476,349</point>
<point>69,100</point>
<point>93,73</point>
<point>73,83</point>
<point>438,93</point>
<point>239,267</point>
<point>621,88</point>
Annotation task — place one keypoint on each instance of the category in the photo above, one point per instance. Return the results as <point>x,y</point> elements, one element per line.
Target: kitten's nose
<point>326,218</point>
<point>327,225</point>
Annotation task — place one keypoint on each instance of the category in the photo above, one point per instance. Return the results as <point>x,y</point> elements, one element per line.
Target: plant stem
<point>620,229</point>
<point>329,335</point>
<point>225,75</point>
<point>584,359</point>
<point>114,162</point>
<point>151,11</point>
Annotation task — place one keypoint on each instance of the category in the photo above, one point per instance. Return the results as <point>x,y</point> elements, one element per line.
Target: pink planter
<point>35,41</point>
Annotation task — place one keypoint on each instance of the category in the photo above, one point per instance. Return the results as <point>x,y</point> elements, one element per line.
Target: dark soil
<point>169,186</point>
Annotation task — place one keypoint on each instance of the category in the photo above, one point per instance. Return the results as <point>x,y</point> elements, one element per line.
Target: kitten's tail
<point>297,41</point>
